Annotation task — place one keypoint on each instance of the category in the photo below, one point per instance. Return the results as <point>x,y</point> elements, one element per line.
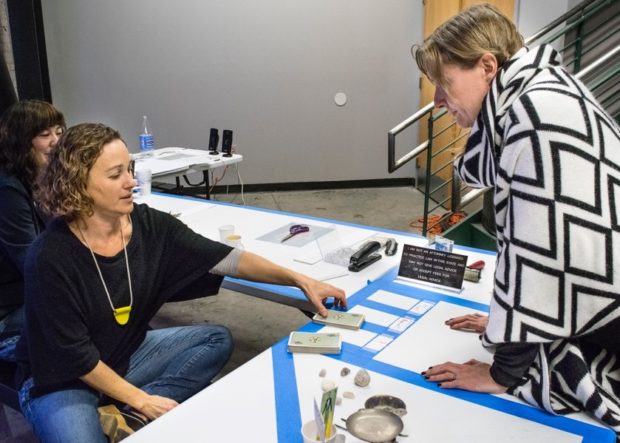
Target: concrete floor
<point>257,324</point>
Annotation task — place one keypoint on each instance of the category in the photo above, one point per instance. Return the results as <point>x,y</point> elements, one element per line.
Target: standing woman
<point>552,154</point>
<point>94,280</point>
<point>29,131</point>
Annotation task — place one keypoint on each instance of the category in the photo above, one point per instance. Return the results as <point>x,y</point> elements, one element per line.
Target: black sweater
<point>69,322</point>
<point>20,223</point>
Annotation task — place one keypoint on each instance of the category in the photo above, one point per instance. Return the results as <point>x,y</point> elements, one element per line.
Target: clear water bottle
<point>146,137</point>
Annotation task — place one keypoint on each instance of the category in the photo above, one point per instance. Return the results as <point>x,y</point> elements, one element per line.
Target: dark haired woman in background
<point>29,131</point>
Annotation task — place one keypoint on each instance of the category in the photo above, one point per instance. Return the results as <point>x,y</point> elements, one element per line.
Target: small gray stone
<point>345,371</point>
<point>322,372</point>
<point>348,394</point>
<point>362,378</point>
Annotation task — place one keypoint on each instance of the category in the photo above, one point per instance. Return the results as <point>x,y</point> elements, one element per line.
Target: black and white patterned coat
<point>553,156</point>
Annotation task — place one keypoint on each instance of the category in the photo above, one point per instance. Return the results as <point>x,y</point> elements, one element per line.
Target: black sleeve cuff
<point>511,362</point>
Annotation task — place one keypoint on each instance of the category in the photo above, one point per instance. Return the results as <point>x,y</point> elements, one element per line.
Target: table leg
<point>205,176</point>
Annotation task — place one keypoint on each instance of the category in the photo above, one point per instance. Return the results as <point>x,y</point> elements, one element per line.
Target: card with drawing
<point>340,319</point>
<point>315,342</point>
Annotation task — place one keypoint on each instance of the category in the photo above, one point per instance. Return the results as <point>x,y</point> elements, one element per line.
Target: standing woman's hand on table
<point>472,375</point>
<point>471,322</point>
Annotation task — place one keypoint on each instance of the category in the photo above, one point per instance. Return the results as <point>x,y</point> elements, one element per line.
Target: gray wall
<point>532,15</point>
<point>267,69</point>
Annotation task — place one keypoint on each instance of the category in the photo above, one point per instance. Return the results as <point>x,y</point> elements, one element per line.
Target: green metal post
<point>427,184</point>
<point>578,49</point>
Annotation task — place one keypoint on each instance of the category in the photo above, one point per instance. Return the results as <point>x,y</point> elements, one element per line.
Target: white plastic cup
<point>225,231</point>
<point>234,241</point>
<point>310,434</point>
<point>144,177</point>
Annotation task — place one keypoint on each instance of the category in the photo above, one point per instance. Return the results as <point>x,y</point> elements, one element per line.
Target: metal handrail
<point>392,133</point>
<point>394,164</point>
<point>598,62</point>
<point>426,146</point>
<point>554,24</point>
<point>576,10</point>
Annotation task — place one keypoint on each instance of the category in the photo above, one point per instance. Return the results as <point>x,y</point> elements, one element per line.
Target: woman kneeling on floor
<point>95,279</point>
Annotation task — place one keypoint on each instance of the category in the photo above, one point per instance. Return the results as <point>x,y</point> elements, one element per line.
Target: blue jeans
<point>11,325</point>
<point>175,363</point>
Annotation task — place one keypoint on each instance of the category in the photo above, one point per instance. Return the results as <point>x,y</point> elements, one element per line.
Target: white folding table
<point>271,396</point>
<point>174,162</point>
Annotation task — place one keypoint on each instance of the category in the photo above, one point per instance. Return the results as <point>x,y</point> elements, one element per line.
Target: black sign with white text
<point>432,266</point>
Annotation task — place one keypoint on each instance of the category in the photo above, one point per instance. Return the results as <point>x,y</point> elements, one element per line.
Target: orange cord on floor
<point>439,223</point>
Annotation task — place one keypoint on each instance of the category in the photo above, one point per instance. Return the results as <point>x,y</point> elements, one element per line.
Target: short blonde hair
<point>62,188</point>
<point>464,38</point>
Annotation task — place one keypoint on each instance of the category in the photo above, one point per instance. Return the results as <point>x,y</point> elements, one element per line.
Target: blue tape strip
<point>388,283</point>
<point>372,327</point>
<point>328,220</point>
<point>285,385</point>
<point>433,296</point>
<point>297,294</point>
<point>591,433</point>
<point>272,289</point>
<point>384,308</point>
<point>286,395</point>
<point>357,356</point>
<point>297,215</point>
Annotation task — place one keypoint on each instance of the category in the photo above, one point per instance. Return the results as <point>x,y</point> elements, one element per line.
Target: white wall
<point>532,15</point>
<point>267,69</point>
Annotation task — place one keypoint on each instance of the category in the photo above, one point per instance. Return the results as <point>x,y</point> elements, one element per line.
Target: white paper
<point>379,343</point>
<point>392,299</point>
<point>431,415</point>
<point>429,342</point>
<point>374,316</point>
<point>401,324</point>
<point>315,251</point>
<point>421,307</point>
<point>355,337</point>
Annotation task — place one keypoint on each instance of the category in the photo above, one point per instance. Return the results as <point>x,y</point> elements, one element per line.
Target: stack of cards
<point>315,342</point>
<point>340,319</point>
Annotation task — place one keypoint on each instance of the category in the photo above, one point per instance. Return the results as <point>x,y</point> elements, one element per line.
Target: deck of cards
<point>340,319</point>
<point>315,342</point>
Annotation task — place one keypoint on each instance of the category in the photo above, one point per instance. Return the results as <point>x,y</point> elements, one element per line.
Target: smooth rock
<point>362,378</point>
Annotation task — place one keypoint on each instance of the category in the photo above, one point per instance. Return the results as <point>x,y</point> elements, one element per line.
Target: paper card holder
<point>431,267</point>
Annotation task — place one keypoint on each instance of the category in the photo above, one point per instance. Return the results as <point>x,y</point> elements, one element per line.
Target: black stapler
<point>365,256</point>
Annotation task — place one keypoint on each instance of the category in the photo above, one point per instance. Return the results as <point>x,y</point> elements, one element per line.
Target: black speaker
<point>227,140</point>
<point>214,139</point>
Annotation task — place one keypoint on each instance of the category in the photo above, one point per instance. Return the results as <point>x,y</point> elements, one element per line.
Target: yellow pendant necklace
<point>121,315</point>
